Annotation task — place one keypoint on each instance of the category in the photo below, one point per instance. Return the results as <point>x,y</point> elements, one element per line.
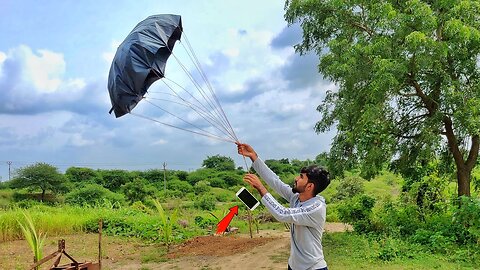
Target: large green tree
<point>408,80</point>
<point>40,176</point>
<point>220,163</point>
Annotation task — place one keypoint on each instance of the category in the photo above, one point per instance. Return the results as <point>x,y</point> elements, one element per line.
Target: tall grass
<point>35,239</point>
<point>167,222</point>
<point>51,220</point>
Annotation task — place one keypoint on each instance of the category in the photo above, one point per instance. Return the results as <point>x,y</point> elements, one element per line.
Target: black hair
<point>318,176</point>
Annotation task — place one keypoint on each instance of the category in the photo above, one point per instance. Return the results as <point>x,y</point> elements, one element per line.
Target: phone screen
<point>247,198</point>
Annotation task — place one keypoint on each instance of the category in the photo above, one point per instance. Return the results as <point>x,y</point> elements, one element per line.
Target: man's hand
<point>246,150</point>
<point>255,182</point>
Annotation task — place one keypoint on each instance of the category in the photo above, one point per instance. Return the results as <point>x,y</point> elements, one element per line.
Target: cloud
<point>35,82</point>
<point>288,37</point>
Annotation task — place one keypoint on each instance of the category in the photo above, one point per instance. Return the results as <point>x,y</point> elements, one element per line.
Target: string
<point>184,129</point>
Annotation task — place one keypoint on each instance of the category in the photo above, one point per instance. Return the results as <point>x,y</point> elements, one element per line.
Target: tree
<point>137,190</point>
<point>39,176</point>
<point>114,179</point>
<point>219,163</point>
<point>77,174</point>
<point>408,78</point>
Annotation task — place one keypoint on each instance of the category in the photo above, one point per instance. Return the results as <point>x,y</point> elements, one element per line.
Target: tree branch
<point>363,27</point>
<point>473,155</point>
<point>452,142</point>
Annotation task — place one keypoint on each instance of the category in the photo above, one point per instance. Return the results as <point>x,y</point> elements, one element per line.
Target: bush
<point>179,185</point>
<point>217,182</point>
<point>137,190</point>
<point>357,212</point>
<point>349,187</point>
<point>205,223</point>
<point>201,187</point>
<point>467,217</point>
<point>92,194</point>
<point>205,202</point>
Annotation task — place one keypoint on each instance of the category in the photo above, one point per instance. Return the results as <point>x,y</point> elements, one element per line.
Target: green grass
<point>350,251</point>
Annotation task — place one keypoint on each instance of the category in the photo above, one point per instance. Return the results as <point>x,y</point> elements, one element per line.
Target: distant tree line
<point>80,185</point>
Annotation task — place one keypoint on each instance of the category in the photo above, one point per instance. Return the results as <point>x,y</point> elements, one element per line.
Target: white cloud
<point>160,142</point>
<point>36,82</point>
<point>77,139</point>
<point>109,55</point>
<point>44,69</point>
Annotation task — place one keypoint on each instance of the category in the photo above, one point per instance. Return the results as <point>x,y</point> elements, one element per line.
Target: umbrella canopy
<point>141,59</point>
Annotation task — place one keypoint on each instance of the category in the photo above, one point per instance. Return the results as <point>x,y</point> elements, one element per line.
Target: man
<point>307,211</point>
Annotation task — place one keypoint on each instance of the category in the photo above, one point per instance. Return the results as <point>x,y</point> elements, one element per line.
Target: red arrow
<point>223,224</point>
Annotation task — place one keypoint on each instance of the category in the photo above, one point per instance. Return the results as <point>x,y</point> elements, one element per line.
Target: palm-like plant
<point>167,222</point>
<point>35,239</point>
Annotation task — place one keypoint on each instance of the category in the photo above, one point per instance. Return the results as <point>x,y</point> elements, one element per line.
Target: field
<point>132,235</point>
<point>267,250</point>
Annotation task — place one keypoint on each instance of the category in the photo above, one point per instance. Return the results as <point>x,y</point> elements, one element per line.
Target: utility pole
<point>9,169</point>
<point>165,176</point>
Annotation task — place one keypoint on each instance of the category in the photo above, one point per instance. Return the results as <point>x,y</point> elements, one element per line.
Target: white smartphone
<point>247,198</point>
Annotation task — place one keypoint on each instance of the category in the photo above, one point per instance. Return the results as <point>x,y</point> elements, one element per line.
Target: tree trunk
<point>464,168</point>
<point>43,195</point>
<point>463,178</point>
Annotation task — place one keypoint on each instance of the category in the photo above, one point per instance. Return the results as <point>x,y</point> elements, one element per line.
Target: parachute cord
<point>205,96</point>
<point>188,105</point>
<point>199,67</point>
<point>205,110</point>
<point>184,129</point>
<point>206,132</point>
<point>222,125</point>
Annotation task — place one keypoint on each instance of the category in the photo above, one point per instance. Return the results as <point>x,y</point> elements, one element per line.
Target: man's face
<point>300,184</point>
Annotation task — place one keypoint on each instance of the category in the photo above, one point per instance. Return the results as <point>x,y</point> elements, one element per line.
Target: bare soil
<point>266,250</point>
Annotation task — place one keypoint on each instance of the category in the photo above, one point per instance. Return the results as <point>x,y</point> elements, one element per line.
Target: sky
<point>55,58</point>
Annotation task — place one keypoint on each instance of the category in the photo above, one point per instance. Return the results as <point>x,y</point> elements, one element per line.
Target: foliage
<point>84,175</point>
<point>92,194</point>
<point>219,163</point>
<point>408,77</point>
<point>280,167</point>
<point>137,190</point>
<point>202,187</point>
<point>358,212</point>
<point>206,222</point>
<point>205,202</point>
<point>35,239</point>
<point>167,222</point>
<point>349,187</point>
<point>40,176</point>
<point>180,185</point>
<point>114,179</point>
<point>468,217</point>
<point>199,175</point>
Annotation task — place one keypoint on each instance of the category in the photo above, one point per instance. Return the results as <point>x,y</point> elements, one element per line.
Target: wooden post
<point>250,222</point>
<point>100,225</point>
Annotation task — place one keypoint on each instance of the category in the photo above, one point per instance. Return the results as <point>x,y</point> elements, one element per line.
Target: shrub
<point>357,212</point>
<point>205,202</point>
<point>217,182</point>
<point>92,194</point>
<point>349,187</point>
<point>137,190</point>
<point>205,223</point>
<point>201,187</point>
<point>179,185</point>
<point>467,217</point>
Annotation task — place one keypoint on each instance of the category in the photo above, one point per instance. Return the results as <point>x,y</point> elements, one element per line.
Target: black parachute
<point>141,59</point>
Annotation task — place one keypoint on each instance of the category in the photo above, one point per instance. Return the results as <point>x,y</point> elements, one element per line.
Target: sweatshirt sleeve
<point>307,216</point>
<point>272,179</point>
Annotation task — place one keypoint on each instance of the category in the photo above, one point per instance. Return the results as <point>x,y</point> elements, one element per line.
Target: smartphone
<point>247,198</point>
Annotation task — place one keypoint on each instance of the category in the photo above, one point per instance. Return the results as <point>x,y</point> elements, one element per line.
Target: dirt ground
<point>266,250</point>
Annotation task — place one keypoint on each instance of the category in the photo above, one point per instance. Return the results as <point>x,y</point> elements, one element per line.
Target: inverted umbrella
<point>141,59</point>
